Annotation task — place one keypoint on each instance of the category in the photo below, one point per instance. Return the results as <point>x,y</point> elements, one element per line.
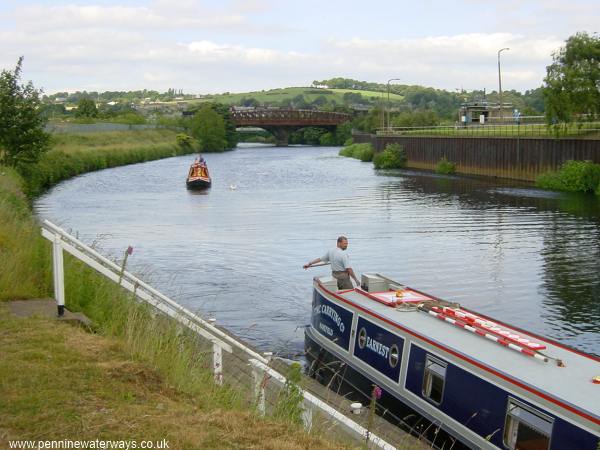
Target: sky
<point>204,47</point>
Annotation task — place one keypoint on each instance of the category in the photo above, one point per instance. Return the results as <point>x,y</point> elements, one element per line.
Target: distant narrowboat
<point>198,176</point>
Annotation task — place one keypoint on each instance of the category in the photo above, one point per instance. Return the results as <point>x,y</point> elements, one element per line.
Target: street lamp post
<point>388,100</point>
<point>500,80</point>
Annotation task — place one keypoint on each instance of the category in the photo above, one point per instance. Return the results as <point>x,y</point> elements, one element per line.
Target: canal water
<point>519,254</point>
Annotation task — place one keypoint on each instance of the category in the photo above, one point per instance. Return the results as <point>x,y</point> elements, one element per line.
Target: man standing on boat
<point>340,264</point>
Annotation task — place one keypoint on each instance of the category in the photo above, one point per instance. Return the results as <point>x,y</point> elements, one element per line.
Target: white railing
<point>221,341</point>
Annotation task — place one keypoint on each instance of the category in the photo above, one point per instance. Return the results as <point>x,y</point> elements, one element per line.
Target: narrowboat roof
<point>570,386</point>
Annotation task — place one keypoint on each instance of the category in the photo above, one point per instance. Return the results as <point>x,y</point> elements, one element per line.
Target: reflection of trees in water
<point>571,235</point>
<point>571,268</point>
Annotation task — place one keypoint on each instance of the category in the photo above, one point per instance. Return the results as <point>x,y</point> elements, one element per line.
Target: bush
<point>573,176</point>
<point>186,142</point>
<point>392,157</point>
<point>364,152</point>
<point>327,139</point>
<point>444,166</point>
<point>348,142</point>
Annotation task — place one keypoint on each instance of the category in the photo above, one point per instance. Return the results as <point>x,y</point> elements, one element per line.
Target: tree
<point>86,107</point>
<point>572,83</point>
<point>231,135</point>
<point>22,135</point>
<point>208,127</point>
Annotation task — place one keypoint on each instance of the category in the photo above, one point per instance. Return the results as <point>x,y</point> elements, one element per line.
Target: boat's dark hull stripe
<point>476,363</point>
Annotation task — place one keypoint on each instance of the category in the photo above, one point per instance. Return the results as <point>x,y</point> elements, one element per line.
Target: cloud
<point>240,46</point>
<point>176,16</point>
<point>467,60</point>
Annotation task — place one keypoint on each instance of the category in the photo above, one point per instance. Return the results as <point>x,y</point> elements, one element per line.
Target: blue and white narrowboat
<point>486,384</point>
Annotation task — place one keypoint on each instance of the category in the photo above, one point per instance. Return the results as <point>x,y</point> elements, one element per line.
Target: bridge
<point>281,122</point>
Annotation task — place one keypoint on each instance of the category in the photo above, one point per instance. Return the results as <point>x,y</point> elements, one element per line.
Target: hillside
<point>303,95</point>
<point>334,94</point>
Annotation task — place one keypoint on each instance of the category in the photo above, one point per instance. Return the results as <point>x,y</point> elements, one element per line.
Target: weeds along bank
<point>26,260</point>
<point>74,154</point>
<point>145,377</point>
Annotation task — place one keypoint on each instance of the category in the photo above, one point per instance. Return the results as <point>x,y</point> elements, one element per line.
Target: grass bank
<point>140,376</point>
<point>74,154</point>
<point>79,386</point>
<point>25,258</point>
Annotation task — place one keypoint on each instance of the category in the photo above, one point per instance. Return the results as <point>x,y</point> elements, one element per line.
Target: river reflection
<point>522,255</point>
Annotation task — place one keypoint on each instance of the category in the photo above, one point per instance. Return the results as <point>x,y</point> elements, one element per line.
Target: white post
<point>259,388</point>
<point>59,274</point>
<point>218,363</point>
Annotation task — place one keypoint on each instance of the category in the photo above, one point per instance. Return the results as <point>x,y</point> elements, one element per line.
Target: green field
<point>310,95</point>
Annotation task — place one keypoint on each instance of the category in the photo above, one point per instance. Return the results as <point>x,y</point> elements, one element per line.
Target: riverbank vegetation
<point>445,167</point>
<point>74,154</point>
<point>392,157</point>
<point>364,152</point>
<point>573,176</point>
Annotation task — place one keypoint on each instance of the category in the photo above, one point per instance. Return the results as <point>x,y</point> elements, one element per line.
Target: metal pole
<point>500,80</point>
<point>59,275</point>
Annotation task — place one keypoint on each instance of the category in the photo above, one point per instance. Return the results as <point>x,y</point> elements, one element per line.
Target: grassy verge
<point>141,377</point>
<point>74,385</point>
<point>74,154</point>
<point>25,260</point>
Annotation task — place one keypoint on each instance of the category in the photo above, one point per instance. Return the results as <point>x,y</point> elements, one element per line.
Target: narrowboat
<point>480,382</point>
<point>198,176</point>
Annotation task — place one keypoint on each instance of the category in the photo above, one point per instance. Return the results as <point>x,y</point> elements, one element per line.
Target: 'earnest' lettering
<point>377,347</point>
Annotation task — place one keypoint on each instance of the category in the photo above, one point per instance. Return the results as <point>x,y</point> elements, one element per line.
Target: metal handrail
<point>497,130</point>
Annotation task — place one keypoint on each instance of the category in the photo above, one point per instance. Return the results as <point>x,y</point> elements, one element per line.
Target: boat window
<point>362,338</point>
<point>526,428</point>
<point>434,379</point>
<point>394,352</point>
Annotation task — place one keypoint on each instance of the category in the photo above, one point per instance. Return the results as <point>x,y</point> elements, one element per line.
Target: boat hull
<point>340,376</point>
<point>198,183</point>
<point>406,352</point>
